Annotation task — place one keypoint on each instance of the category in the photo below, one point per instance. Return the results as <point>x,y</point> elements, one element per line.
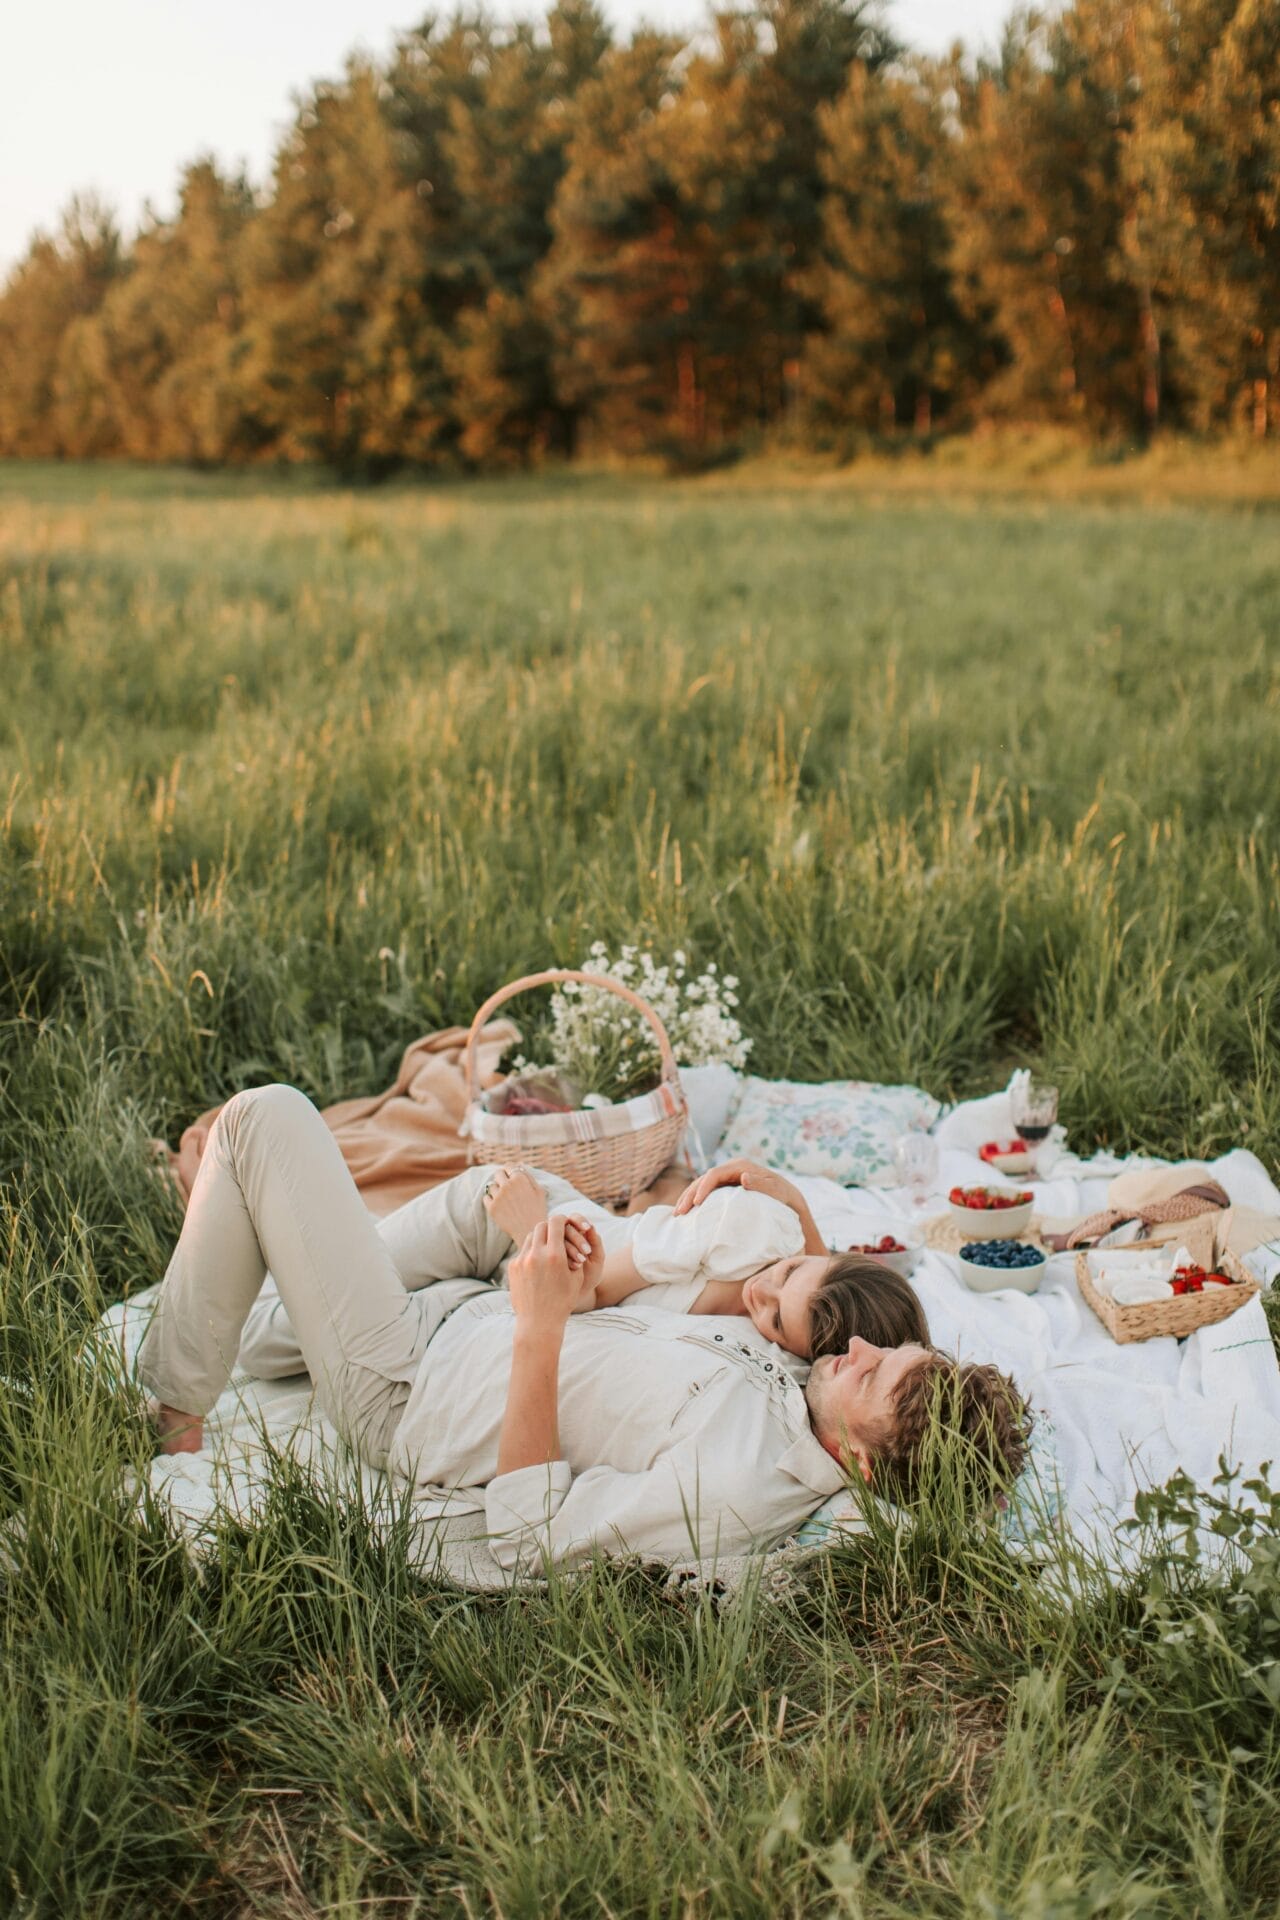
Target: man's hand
<point>742,1173</point>
<point>544,1285</point>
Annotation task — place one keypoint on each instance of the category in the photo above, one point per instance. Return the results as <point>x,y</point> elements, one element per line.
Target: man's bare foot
<point>179,1432</point>
<point>515,1200</point>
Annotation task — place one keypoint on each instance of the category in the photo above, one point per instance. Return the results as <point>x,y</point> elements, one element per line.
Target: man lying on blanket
<point>629,1429</point>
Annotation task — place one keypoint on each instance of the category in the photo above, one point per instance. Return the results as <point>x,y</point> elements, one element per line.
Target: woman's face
<point>777,1299</point>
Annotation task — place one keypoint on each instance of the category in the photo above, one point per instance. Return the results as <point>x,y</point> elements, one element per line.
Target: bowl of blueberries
<point>989,1266</point>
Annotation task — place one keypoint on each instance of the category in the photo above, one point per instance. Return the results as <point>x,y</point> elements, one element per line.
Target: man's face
<point>851,1399</point>
<point>779,1296</point>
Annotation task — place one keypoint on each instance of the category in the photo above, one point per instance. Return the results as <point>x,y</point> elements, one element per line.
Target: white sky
<point>117,94</point>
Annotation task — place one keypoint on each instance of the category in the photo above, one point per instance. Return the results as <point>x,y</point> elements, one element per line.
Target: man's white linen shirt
<point>681,1436</point>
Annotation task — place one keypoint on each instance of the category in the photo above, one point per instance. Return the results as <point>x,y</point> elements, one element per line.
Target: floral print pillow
<point>844,1130</point>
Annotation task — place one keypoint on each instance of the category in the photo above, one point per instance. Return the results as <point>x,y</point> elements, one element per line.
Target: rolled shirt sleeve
<point>683,1507</point>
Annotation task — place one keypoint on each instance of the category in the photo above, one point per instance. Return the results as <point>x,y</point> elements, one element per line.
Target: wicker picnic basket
<point>607,1153</point>
<point>1180,1316</point>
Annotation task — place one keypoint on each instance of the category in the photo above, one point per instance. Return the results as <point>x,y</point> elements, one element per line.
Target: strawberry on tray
<point>1006,1156</point>
<point>1194,1279</point>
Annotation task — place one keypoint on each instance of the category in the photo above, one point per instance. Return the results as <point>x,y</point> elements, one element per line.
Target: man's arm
<point>688,1505</point>
<point>544,1290</point>
<point>530,1427</point>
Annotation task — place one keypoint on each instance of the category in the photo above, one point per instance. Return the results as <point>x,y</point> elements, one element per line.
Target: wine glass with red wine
<point>1035,1108</point>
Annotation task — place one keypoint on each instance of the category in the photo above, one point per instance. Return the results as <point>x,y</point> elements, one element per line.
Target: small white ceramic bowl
<point>1013,1164</point>
<point>999,1223</point>
<point>904,1263</point>
<point>998,1279</point>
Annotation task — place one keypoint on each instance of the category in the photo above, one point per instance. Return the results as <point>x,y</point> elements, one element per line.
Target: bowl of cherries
<point>901,1255</point>
<point>990,1213</point>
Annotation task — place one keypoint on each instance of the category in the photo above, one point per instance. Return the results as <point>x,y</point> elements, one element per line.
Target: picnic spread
<point>1114,1415</point>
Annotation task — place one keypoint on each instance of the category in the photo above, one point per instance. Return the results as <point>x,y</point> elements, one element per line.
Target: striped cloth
<point>582,1124</point>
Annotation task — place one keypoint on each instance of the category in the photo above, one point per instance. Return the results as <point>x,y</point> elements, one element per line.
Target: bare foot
<point>179,1432</point>
<point>515,1200</point>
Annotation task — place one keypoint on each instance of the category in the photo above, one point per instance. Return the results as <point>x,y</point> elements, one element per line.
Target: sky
<point>117,97</point>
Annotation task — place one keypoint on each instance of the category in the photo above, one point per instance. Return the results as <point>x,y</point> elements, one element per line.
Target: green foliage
<point>896,346</point>
<point>508,244</point>
<point>296,775</point>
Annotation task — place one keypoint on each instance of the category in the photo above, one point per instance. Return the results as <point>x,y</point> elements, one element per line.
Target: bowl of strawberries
<point>990,1213</point>
<point>901,1255</point>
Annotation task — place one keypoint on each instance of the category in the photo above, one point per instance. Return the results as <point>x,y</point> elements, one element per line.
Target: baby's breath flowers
<point>608,1048</point>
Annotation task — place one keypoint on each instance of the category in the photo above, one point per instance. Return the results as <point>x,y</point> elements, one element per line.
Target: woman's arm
<point>755,1179</point>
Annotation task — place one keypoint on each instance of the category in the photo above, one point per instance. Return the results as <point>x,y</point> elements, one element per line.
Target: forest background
<point>511,243</point>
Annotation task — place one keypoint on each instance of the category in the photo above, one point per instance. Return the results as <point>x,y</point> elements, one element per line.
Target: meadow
<point>288,775</point>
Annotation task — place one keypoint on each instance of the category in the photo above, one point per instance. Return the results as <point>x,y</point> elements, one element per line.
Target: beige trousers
<point>442,1239</point>
<point>274,1192</point>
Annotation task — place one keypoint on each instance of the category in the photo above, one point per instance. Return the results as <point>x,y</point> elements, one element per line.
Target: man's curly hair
<point>939,1399</point>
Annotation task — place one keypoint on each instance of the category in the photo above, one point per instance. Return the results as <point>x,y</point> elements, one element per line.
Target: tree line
<point>508,243</point>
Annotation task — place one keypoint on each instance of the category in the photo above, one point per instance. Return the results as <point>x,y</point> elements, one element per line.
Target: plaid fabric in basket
<point>582,1124</point>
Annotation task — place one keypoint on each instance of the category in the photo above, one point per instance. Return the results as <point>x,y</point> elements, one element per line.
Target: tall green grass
<point>291,775</point>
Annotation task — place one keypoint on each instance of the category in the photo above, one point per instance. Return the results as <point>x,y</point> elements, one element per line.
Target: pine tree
<point>57,286</point>
<point>896,350</point>
<point>1039,211</point>
<point>1204,157</point>
<point>505,150</point>
<point>142,375</point>
<point>744,151</point>
<point>337,360</point>
<point>621,283</point>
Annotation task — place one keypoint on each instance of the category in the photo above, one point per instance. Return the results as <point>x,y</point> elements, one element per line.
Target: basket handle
<point>552,978</point>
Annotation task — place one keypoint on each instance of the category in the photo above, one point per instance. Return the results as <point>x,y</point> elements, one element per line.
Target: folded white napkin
<point>1137,1280</point>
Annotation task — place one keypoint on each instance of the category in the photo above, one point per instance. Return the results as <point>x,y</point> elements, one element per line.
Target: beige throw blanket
<point>397,1143</point>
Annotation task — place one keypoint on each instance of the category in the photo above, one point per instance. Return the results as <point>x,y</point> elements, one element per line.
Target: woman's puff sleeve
<point>729,1237</point>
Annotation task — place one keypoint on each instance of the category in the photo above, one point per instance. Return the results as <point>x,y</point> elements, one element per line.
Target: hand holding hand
<point>586,1256</point>
<point>543,1283</point>
<point>746,1174</point>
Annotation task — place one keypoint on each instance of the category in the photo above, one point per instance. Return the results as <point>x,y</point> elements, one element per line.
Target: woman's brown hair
<point>863,1296</point>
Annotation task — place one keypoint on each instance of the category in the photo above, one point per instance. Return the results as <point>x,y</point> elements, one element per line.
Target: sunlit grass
<point>291,775</point>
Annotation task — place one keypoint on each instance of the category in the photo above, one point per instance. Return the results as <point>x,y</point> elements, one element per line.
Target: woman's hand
<point>585,1249</point>
<point>755,1179</point>
<point>742,1173</point>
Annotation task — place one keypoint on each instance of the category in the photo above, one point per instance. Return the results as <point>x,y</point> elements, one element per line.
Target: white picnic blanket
<point>1112,1420</point>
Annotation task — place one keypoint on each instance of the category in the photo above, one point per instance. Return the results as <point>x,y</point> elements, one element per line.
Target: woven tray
<point>948,1236</point>
<point>1178,1317</point>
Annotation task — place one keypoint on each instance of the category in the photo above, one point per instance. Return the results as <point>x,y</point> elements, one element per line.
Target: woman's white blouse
<point>729,1237</point>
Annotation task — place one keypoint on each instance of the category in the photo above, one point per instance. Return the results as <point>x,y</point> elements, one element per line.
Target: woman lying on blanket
<point>740,1240</point>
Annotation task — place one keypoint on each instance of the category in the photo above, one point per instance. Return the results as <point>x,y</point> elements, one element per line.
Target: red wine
<point>1033,1135</point>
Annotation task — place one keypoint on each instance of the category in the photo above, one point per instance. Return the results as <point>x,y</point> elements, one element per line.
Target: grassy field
<point>291,775</point>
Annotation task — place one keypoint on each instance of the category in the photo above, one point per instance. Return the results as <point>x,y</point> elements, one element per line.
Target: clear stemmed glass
<point>1035,1108</point>
<point>915,1160</point>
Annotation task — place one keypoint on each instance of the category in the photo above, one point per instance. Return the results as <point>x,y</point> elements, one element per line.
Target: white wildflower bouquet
<point>608,1049</point>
